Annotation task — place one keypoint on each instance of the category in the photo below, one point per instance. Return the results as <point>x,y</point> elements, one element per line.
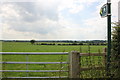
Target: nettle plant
<point>115,55</point>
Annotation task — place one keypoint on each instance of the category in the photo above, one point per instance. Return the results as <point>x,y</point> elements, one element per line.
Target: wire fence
<point>92,66</point>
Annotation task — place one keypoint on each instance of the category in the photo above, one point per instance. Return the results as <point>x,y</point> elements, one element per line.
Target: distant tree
<point>32,41</point>
<point>80,43</point>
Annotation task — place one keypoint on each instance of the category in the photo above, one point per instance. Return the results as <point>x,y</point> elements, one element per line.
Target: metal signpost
<point>106,12</point>
<point>109,31</point>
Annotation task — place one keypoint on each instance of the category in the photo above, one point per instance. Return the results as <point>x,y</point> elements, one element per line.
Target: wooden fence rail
<point>74,63</point>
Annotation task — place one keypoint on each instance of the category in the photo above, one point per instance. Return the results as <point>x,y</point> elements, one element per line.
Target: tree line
<point>95,42</point>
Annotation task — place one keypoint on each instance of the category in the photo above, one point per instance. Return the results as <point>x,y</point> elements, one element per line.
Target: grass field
<point>28,47</point>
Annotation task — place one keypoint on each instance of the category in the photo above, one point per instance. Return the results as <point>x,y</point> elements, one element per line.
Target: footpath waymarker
<point>103,11</point>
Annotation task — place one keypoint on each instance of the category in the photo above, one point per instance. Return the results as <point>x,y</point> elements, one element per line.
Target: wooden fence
<point>74,63</point>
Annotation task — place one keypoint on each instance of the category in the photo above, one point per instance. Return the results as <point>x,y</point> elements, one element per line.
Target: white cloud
<point>44,20</point>
<point>114,8</point>
<point>8,12</point>
<point>0,30</point>
<point>97,27</point>
<point>76,9</point>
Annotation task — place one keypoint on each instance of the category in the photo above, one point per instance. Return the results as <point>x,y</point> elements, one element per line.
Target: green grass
<point>28,47</point>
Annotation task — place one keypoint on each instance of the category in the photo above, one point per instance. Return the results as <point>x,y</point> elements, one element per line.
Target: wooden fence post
<point>74,64</point>
<point>105,56</point>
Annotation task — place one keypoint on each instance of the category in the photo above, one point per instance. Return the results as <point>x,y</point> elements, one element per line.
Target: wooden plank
<point>91,54</point>
<point>90,68</point>
<point>74,65</point>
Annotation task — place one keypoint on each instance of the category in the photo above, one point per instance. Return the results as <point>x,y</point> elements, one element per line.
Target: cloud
<point>40,10</point>
<point>114,9</point>
<point>25,17</point>
<point>48,19</point>
<point>71,6</point>
<point>76,9</point>
<point>31,17</point>
<point>97,27</point>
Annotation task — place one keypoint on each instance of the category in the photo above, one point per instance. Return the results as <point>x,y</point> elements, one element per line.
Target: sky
<point>54,19</point>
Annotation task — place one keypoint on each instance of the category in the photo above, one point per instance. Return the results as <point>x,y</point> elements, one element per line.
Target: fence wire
<point>92,66</point>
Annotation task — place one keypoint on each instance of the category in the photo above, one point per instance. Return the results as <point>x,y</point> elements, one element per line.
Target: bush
<point>115,55</point>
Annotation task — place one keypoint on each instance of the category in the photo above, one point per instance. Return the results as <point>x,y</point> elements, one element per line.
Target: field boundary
<point>74,63</point>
